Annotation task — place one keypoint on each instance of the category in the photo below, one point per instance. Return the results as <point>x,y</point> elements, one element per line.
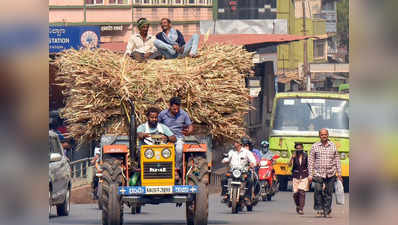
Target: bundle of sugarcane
<point>99,82</point>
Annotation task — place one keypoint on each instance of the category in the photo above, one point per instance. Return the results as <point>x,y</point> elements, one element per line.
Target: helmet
<point>245,141</point>
<point>264,144</point>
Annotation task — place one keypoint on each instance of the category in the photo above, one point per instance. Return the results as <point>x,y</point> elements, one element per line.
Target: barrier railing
<point>82,172</point>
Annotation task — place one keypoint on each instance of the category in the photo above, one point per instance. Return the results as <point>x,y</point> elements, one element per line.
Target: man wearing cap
<point>140,46</point>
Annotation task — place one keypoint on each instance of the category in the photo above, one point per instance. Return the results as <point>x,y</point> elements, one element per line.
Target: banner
<point>66,37</point>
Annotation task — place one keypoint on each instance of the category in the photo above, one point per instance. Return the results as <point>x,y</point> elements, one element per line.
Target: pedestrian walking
<point>299,161</point>
<point>324,168</point>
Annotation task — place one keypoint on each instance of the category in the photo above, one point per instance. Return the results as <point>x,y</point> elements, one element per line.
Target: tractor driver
<point>152,126</point>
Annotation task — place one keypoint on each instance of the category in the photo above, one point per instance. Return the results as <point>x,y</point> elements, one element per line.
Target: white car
<point>60,177</point>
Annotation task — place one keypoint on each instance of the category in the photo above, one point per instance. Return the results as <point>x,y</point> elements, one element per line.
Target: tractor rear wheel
<point>112,212</point>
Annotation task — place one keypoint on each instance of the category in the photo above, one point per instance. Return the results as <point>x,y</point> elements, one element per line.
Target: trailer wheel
<point>112,212</point>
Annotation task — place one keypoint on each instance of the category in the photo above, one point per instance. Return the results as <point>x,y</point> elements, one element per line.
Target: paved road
<point>280,211</point>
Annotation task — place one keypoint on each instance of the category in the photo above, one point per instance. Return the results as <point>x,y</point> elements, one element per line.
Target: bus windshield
<point>311,114</point>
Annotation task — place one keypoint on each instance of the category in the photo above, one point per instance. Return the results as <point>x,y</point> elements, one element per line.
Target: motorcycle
<point>268,181</point>
<point>237,189</point>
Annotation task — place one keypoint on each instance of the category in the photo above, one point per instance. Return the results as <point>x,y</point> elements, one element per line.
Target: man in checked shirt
<point>323,167</point>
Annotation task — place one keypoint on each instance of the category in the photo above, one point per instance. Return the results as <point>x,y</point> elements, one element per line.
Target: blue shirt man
<point>179,123</point>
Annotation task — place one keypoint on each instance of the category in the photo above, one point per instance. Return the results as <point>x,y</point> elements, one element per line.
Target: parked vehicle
<point>60,177</point>
<point>268,181</point>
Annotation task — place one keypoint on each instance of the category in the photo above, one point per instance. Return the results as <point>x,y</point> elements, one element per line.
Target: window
<point>170,12</point>
<point>50,145</point>
<point>328,5</point>
<point>138,12</point>
<point>191,2</point>
<point>155,28</point>
<point>146,2</point>
<point>179,2</point>
<point>56,145</point>
<point>138,2</point>
<point>185,28</point>
<point>163,2</point>
<point>209,2</point>
<point>94,2</point>
<point>319,48</point>
<point>119,2</point>
<point>155,2</point>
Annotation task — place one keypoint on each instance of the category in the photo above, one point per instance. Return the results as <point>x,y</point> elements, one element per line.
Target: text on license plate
<point>159,189</point>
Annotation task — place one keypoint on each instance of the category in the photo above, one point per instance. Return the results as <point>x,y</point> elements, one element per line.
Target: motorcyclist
<point>238,157</point>
<point>257,154</point>
<point>266,153</point>
<point>248,144</point>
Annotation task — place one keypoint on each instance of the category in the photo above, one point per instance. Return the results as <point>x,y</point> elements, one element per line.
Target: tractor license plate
<point>159,190</point>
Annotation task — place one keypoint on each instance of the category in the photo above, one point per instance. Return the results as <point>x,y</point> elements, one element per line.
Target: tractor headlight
<point>284,154</point>
<point>149,153</point>
<point>236,173</point>
<point>343,156</point>
<point>278,152</point>
<point>166,153</point>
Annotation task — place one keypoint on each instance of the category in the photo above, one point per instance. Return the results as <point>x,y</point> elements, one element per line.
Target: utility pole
<point>305,69</point>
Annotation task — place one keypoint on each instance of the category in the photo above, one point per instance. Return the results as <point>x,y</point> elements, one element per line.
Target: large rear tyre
<point>234,200</point>
<point>112,212</point>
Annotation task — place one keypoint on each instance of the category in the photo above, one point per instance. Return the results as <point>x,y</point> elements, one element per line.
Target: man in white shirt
<point>238,158</point>
<point>140,46</point>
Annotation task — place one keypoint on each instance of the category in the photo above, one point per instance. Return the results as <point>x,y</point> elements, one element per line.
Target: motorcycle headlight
<point>166,153</point>
<point>263,163</point>
<point>149,153</point>
<point>236,173</point>
<point>284,154</point>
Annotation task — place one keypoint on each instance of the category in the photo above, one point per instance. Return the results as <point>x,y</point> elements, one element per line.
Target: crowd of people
<point>321,167</point>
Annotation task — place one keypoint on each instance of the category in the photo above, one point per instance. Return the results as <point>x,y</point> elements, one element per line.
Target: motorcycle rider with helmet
<point>266,153</point>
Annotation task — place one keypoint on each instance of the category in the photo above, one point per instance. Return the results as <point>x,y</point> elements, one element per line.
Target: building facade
<point>305,17</point>
<point>117,17</point>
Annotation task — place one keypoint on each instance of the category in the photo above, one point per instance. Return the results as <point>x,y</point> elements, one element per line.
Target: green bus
<point>298,116</point>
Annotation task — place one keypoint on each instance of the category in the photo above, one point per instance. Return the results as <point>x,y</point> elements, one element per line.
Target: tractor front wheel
<point>112,206</point>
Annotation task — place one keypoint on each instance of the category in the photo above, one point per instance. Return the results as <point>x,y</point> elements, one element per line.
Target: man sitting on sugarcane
<point>140,46</point>
<point>171,44</point>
